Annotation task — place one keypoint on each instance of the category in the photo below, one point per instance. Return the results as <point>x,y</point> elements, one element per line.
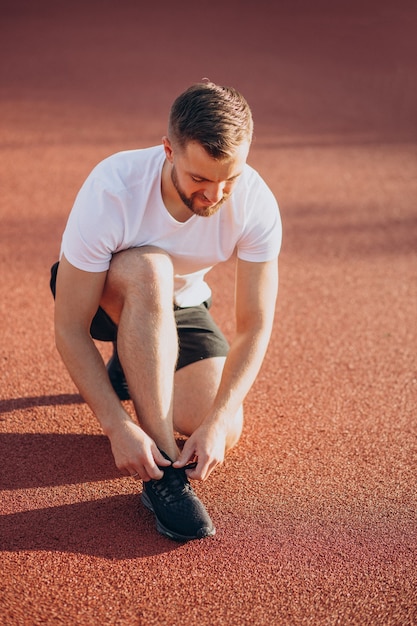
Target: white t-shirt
<point>120,206</point>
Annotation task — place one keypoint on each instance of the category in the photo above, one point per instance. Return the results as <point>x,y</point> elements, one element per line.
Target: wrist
<point>115,421</point>
<point>217,421</point>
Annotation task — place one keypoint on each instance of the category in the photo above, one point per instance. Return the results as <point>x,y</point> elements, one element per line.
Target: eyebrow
<point>207,180</point>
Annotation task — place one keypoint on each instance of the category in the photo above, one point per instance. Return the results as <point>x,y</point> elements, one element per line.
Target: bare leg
<point>138,296</point>
<point>194,392</point>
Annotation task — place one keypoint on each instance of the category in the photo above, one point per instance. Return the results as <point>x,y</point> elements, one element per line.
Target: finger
<point>151,465</point>
<point>203,470</point>
<point>149,470</point>
<point>196,474</point>
<point>138,472</point>
<point>153,471</point>
<point>187,455</point>
<point>159,458</point>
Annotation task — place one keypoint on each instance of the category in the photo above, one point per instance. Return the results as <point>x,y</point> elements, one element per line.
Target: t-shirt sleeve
<point>262,234</point>
<point>95,226</point>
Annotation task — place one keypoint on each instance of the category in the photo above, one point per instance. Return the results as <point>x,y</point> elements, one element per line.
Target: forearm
<point>86,368</point>
<point>240,371</point>
<point>256,294</point>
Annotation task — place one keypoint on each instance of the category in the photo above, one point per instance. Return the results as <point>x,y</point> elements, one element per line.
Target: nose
<point>214,192</point>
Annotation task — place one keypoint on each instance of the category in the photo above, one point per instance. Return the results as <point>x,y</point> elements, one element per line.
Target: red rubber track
<point>315,510</point>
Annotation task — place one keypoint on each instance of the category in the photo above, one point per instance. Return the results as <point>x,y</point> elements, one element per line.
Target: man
<point>145,228</point>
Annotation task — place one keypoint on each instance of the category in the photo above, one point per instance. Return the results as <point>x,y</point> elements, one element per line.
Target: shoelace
<point>174,483</point>
<point>192,465</point>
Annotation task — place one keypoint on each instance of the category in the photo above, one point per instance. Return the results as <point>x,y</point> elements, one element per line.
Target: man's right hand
<point>135,453</point>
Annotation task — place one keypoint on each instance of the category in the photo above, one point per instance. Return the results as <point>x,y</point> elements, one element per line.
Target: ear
<point>169,152</point>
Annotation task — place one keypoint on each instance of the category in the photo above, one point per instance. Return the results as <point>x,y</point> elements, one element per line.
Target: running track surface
<point>316,509</point>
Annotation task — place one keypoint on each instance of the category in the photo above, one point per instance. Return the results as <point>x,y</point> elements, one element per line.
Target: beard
<point>191,202</point>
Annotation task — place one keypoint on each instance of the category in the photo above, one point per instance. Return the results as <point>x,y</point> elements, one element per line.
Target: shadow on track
<point>32,460</point>
<point>116,527</point>
<point>15,404</point>
<point>113,527</point>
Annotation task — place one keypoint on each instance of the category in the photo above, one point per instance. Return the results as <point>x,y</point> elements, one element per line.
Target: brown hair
<point>219,118</point>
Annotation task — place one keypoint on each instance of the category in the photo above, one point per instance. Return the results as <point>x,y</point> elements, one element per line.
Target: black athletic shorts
<point>198,335</point>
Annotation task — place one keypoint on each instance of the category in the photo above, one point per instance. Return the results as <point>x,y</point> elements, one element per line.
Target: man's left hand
<point>207,445</point>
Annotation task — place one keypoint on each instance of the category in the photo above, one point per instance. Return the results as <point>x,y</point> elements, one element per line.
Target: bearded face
<point>197,201</point>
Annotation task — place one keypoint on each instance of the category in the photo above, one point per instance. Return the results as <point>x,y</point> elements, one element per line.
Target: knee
<point>138,276</point>
<point>147,270</point>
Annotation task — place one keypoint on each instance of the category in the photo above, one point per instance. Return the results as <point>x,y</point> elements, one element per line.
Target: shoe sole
<point>166,531</point>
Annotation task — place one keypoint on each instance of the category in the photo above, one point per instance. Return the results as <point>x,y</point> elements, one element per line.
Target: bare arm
<point>77,299</point>
<point>78,296</point>
<point>256,292</point>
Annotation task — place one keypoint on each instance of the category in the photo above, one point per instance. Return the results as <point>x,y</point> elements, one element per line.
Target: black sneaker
<point>179,513</point>
<point>117,377</point>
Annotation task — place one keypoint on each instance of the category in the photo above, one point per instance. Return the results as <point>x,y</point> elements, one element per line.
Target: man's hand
<point>208,446</point>
<point>135,453</point>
